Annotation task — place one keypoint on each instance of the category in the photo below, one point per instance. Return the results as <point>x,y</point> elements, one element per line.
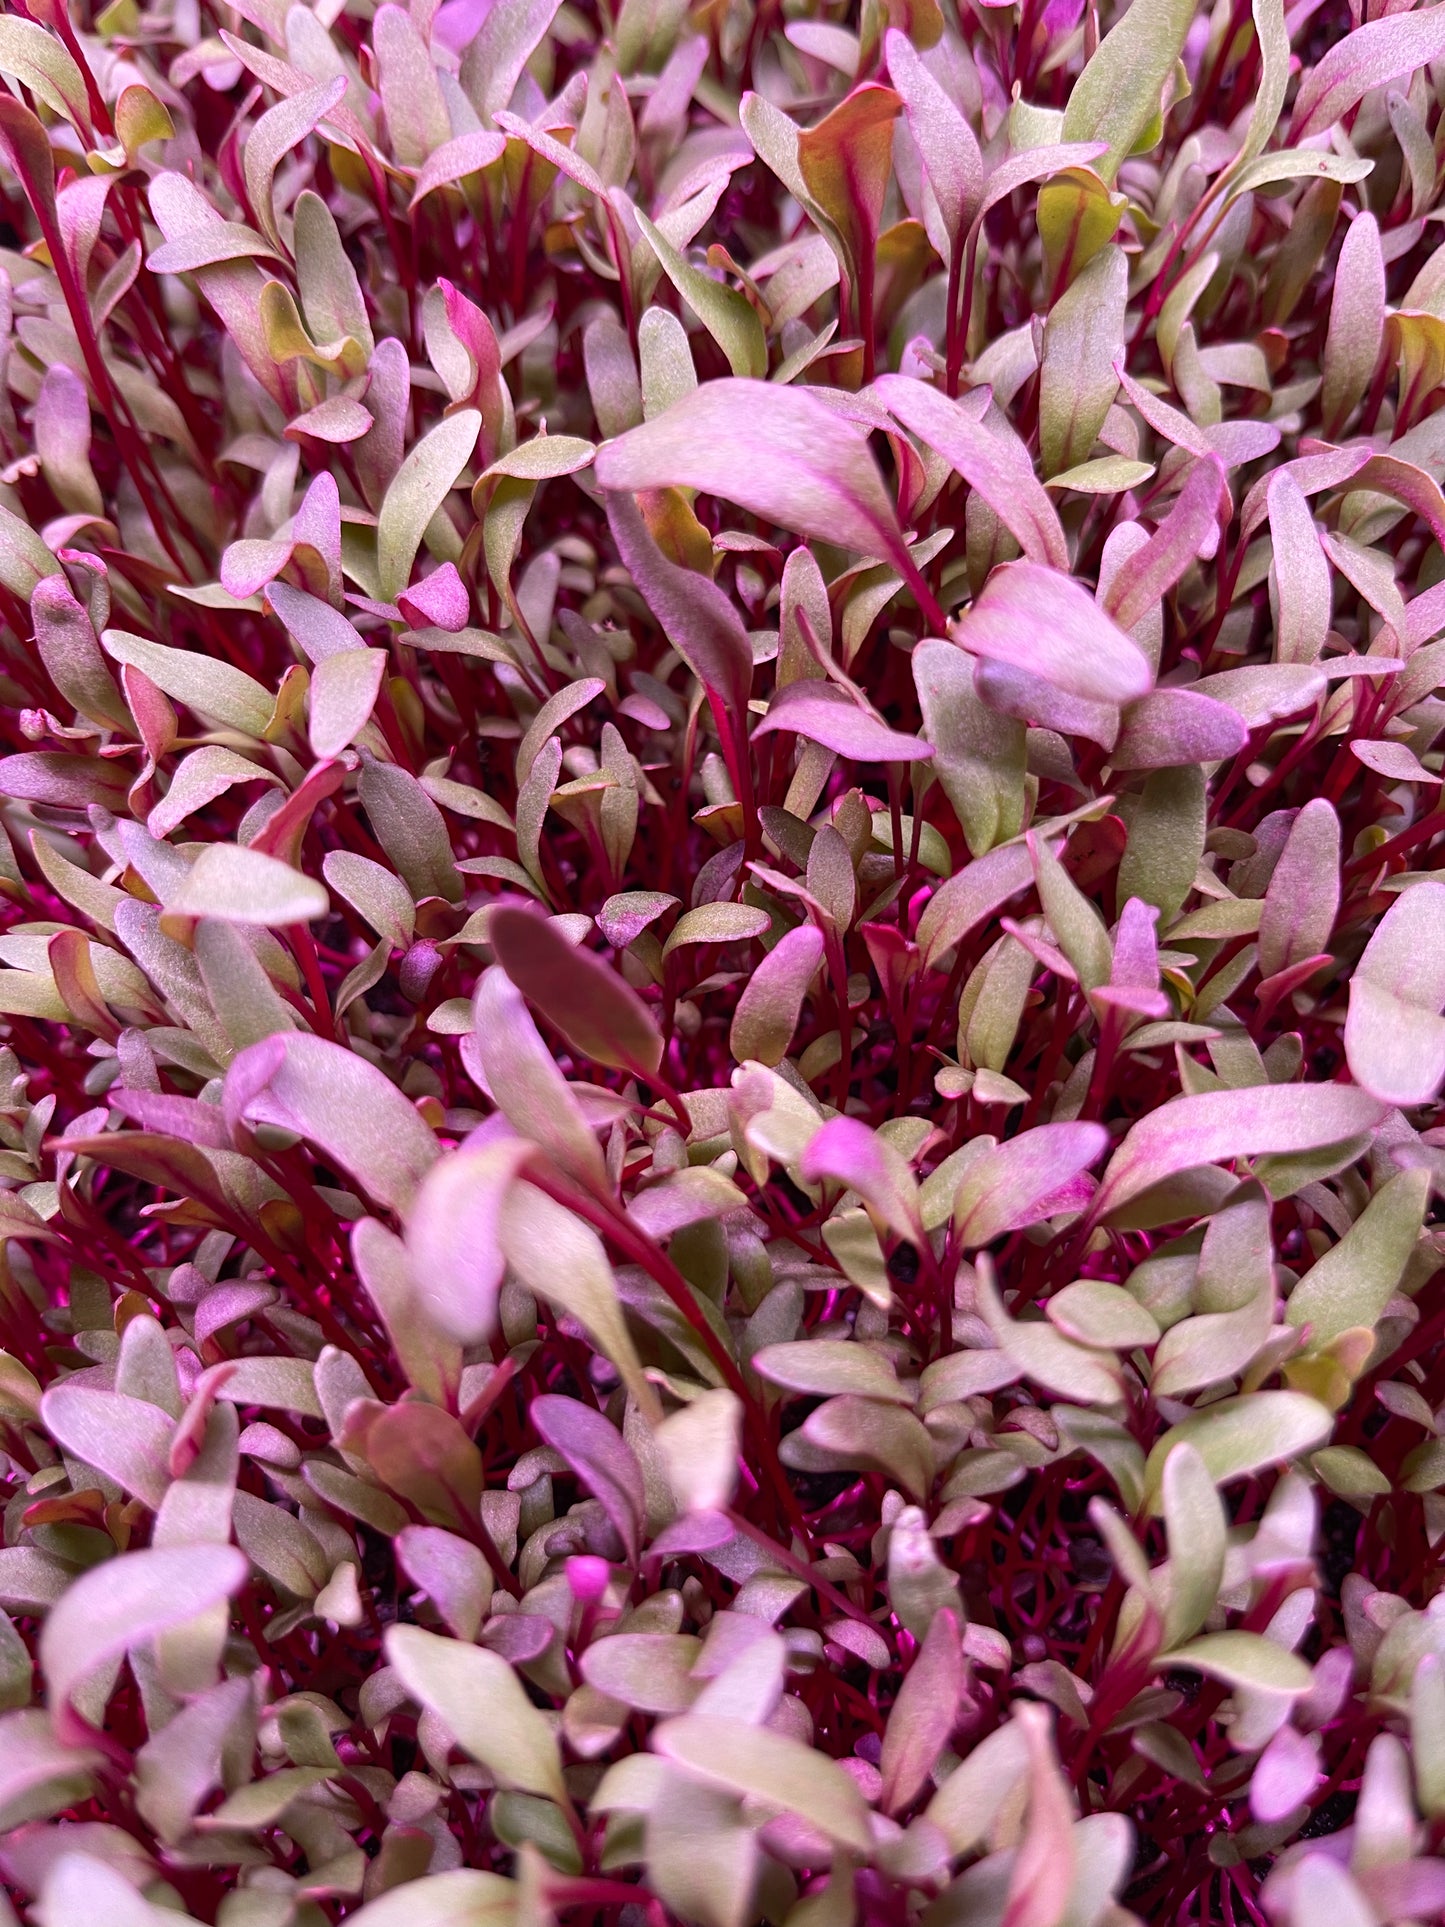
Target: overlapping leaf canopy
<point>720,959</point>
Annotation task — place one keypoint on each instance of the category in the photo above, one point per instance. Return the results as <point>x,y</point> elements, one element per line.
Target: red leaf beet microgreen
<point>722,977</point>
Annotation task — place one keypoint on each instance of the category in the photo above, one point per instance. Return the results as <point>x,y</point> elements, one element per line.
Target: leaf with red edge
<point>923,1715</point>
<point>990,458</point>
<point>1009,1185</point>
<point>1189,532</point>
<point>777,451</point>
<point>826,714</point>
<point>589,1002</point>
<point>1193,1131</point>
<point>596,1452</point>
<point>846,160</point>
<point>696,616</point>
<point>1035,619</point>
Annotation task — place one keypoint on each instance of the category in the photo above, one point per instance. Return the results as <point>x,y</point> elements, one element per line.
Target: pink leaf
<point>1372,56</point>
<point>507,1056</point>
<point>1045,623</point>
<point>455,159</point>
<point>996,464</point>
<point>826,714</point>
<point>1136,947</point>
<point>597,1454</point>
<point>476,334</point>
<point>67,782</point>
<point>970,895</point>
<point>777,451</point>
<point>1169,727</point>
<point>1030,699</point>
<point>923,1714</point>
<point>698,618</point>
<point>1285,1775</point>
<point>1043,1867</point>
<point>348,1109</point>
<point>846,1151</point>
<point>126,1602</point>
<point>1396,762</point>
<point>1004,1188</point>
<point>1188,532</point>
<point>1034,164</point>
<point>1301,573</point>
<point>767,1011</point>
<point>452,1235</point>
<point>945,140</point>
<point>128,1439</point>
<point>440,601</point>
<point>1304,890</point>
<point>1394,1033</point>
<point>1268,1119</point>
<point>181,1117</point>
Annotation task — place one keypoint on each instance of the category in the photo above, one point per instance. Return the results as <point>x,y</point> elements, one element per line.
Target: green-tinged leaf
<point>772,999</point>
<point>698,1447</point>
<point>1105,475</point>
<point>826,1367</point>
<point>1394,1034</point>
<point>1350,1286</point>
<point>127,1601</point>
<point>37,58</point>
<point>1195,1521</point>
<point>559,1258</point>
<point>717,923</point>
<point>771,1768</point>
<point>278,130</point>
<point>1243,1660</point>
<point>203,684</point>
<point>344,690</point>
<point>1044,1355</point>
<point>1238,1436</point>
<point>1103,1315</point>
<point>727,315</point>
<point>541,459</point>
<point>855,1431</point>
<point>966,1805</point>
<point>514,1065</point>
<point>1083,338</point>
<point>417,491</point>
<point>481,1701</point>
<point>240,885</point>
<point>1117,96</point>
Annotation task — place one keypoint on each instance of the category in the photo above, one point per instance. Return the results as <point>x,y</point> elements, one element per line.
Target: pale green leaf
<point>417,490</point>
<point>478,1698</point>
